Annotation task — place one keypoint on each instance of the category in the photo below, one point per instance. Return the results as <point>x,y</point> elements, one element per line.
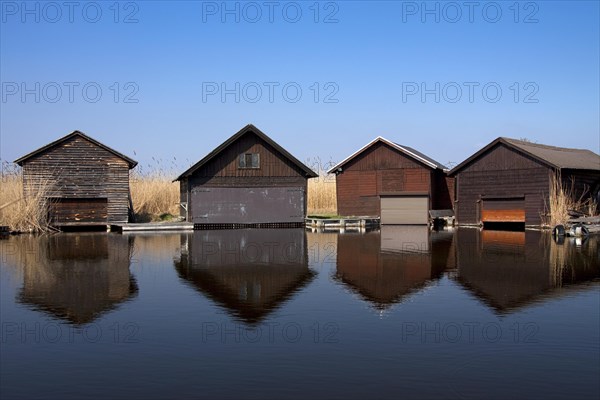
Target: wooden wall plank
<point>78,168</point>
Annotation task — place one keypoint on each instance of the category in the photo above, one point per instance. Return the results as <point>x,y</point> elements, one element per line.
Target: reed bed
<point>321,196</point>
<point>154,196</point>
<point>20,213</point>
<point>321,192</point>
<point>562,200</point>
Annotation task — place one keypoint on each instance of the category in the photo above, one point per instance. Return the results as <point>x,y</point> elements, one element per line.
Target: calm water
<point>396,313</point>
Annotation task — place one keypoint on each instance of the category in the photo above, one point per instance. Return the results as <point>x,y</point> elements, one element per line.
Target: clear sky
<point>172,80</point>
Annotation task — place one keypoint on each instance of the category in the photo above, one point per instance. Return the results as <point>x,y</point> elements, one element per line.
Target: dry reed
<point>20,213</point>
<point>321,196</point>
<point>153,193</point>
<point>153,196</point>
<point>562,200</point>
<point>321,191</point>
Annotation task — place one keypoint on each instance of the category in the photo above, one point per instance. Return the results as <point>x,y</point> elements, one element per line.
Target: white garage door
<point>405,210</point>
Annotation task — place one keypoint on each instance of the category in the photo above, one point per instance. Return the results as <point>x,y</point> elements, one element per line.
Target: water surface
<point>396,313</point>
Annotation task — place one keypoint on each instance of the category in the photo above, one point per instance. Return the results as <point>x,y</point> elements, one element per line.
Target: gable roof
<point>20,161</point>
<point>554,157</point>
<point>409,151</point>
<point>247,129</point>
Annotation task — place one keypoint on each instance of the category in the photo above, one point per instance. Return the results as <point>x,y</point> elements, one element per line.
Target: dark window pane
<point>249,160</point>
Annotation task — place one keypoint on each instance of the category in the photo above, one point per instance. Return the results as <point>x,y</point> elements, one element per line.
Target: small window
<point>249,160</point>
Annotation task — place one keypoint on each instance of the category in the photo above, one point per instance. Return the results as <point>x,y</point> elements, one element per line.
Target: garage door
<point>247,205</point>
<point>69,210</point>
<point>405,210</point>
<point>503,210</point>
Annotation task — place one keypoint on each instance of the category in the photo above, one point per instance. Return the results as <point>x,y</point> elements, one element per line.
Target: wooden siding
<point>272,163</point>
<point>183,197</point>
<point>381,156</point>
<point>451,185</point>
<point>276,171</point>
<point>354,198</point>
<point>442,191</point>
<point>389,180</point>
<point>502,172</point>
<point>70,210</point>
<point>379,170</point>
<point>254,181</point>
<point>501,158</point>
<point>78,168</point>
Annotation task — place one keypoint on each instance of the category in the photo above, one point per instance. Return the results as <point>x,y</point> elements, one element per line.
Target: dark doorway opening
<point>83,228</point>
<point>504,226</point>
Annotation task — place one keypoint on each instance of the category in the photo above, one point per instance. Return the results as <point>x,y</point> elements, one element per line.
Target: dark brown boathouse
<point>249,180</point>
<point>393,181</point>
<point>508,181</point>
<point>85,181</point>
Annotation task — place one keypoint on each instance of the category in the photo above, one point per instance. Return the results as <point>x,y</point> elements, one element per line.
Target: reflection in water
<point>508,270</point>
<point>436,347</point>
<point>384,266</point>
<point>405,238</point>
<point>249,272</point>
<point>76,277</point>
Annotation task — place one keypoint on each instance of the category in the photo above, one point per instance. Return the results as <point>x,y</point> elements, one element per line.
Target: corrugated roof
<point>247,129</point>
<point>555,157</point>
<point>132,163</point>
<point>409,151</point>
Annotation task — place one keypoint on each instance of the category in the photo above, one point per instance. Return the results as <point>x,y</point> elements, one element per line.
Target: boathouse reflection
<point>77,276</point>
<point>248,272</point>
<point>510,270</point>
<point>385,266</point>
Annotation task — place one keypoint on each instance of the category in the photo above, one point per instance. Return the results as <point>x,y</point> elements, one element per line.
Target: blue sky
<point>446,78</point>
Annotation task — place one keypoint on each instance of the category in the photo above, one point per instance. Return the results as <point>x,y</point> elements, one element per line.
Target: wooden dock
<point>152,227</point>
<point>591,224</point>
<point>342,224</point>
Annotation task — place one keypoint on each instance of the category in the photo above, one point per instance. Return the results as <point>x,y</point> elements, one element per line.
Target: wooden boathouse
<point>86,182</point>
<point>509,180</point>
<point>395,182</point>
<point>247,181</point>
